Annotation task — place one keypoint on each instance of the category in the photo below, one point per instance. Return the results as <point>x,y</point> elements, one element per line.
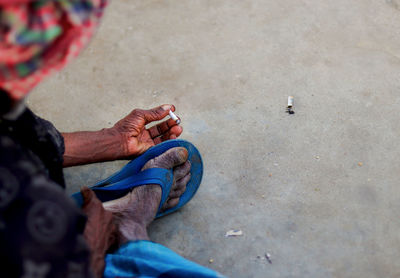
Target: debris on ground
<point>270,175</point>
<point>268,257</point>
<point>289,108</point>
<point>233,233</point>
<point>211,261</point>
<point>360,164</point>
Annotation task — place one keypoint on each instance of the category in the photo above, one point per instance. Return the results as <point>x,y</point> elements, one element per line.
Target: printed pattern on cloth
<point>41,228</point>
<point>41,139</point>
<point>39,37</point>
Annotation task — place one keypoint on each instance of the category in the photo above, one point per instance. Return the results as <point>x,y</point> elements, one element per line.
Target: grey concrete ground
<point>317,190</point>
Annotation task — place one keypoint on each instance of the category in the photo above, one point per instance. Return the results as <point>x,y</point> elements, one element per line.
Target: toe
<point>179,187</point>
<point>171,203</point>
<point>169,159</point>
<point>175,158</point>
<point>177,193</point>
<point>182,170</point>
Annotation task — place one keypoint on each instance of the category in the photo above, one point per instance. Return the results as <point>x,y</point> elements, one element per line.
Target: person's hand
<point>137,139</point>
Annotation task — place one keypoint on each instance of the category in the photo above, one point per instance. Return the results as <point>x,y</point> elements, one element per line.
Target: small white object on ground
<point>233,233</point>
<point>290,105</point>
<point>174,117</point>
<point>290,101</point>
<point>268,257</point>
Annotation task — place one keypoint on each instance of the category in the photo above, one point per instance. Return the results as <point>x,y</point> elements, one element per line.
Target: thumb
<point>158,113</point>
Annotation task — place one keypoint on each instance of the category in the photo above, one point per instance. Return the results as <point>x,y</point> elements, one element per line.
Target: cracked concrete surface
<point>292,184</point>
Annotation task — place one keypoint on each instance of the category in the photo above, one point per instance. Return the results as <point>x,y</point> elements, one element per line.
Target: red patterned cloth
<point>39,37</point>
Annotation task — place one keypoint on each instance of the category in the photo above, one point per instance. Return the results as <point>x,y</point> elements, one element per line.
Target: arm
<point>86,147</point>
<point>127,138</point>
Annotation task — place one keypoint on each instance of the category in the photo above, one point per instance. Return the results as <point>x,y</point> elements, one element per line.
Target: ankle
<point>131,231</point>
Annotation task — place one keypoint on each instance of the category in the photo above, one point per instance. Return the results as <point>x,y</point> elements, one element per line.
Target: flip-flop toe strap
<point>162,177</point>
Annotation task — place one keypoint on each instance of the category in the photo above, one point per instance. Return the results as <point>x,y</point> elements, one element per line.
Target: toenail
<point>183,153</point>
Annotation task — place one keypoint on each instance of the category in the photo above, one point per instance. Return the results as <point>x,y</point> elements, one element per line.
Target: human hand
<point>136,139</point>
<point>101,233</point>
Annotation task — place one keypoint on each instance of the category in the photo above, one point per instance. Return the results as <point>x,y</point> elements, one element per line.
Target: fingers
<point>167,136</point>
<point>157,114</point>
<point>88,196</point>
<point>137,119</point>
<point>173,133</point>
<point>161,128</point>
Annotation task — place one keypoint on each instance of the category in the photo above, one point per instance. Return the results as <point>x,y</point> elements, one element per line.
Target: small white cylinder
<point>290,101</point>
<point>174,117</point>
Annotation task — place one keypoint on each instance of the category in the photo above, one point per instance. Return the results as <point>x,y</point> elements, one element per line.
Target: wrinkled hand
<point>101,232</point>
<point>137,139</point>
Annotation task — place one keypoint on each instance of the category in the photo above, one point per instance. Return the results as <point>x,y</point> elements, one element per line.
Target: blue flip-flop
<point>131,176</point>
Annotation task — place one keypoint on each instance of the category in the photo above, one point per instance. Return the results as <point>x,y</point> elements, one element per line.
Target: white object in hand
<point>174,117</point>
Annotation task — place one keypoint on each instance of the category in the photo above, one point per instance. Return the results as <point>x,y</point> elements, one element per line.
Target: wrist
<point>116,142</point>
<point>93,146</point>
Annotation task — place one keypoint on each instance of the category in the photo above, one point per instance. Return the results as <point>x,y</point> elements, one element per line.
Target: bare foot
<point>136,210</point>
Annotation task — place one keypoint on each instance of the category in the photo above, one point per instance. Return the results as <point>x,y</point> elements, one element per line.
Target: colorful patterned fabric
<point>146,259</point>
<point>39,37</point>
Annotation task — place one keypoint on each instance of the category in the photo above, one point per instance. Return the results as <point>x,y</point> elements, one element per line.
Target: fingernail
<point>86,194</point>
<point>166,107</point>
